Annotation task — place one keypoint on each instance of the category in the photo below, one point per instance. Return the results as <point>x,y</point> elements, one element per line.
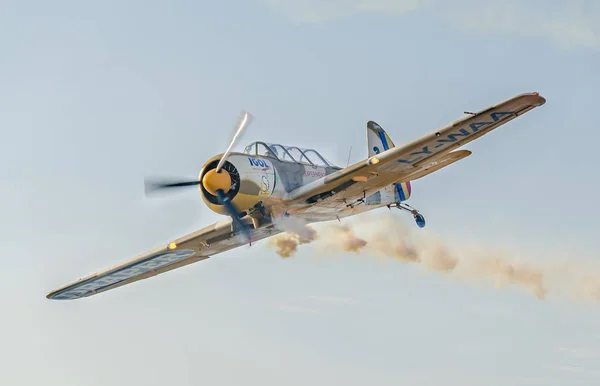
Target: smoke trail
<point>295,225</point>
<point>287,243</point>
<point>386,236</point>
<point>341,237</point>
<point>297,233</point>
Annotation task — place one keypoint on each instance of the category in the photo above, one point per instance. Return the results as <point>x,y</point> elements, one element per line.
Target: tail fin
<point>378,141</point>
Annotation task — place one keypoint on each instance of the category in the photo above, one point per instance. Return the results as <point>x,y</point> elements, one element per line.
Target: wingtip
<point>533,98</point>
<point>52,296</point>
<point>540,99</point>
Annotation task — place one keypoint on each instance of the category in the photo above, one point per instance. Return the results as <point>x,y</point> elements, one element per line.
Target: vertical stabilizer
<point>378,141</point>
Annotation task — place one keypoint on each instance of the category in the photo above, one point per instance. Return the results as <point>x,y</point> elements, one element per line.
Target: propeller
<point>234,214</point>
<point>216,181</point>
<point>244,120</point>
<point>151,187</point>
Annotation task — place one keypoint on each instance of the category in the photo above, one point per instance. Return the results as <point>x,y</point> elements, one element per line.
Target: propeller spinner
<point>216,181</point>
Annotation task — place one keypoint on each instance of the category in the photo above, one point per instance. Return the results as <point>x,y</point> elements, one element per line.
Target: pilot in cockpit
<point>270,153</point>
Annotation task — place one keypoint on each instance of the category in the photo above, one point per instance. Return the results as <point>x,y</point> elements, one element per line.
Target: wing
<point>433,165</point>
<point>200,245</point>
<point>414,159</point>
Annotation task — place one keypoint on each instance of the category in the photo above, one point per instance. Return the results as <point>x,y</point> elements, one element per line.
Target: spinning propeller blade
<point>245,119</point>
<point>214,181</point>
<point>233,213</point>
<point>152,186</point>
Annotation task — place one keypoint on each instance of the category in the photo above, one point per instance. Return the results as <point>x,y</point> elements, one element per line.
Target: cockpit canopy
<point>288,153</point>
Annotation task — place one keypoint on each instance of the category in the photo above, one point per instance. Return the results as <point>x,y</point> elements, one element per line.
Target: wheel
<point>420,220</point>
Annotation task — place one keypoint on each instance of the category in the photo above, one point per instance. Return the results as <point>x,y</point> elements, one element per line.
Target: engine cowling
<point>252,179</point>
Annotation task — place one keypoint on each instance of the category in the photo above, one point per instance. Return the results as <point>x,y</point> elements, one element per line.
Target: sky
<point>96,96</point>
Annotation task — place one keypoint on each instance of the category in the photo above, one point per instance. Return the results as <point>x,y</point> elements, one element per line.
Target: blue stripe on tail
<point>383,140</point>
<point>386,147</point>
<point>400,192</point>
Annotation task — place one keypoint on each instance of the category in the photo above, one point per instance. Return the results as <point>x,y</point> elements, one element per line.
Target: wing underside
<point>197,246</point>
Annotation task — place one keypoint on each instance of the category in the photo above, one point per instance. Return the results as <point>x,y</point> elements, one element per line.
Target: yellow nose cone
<point>213,181</point>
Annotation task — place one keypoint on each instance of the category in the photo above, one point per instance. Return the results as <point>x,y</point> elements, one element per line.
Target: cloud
<point>315,11</point>
<point>580,352</point>
<point>578,370</point>
<point>331,299</point>
<point>568,23</point>
<point>296,309</point>
<point>572,369</point>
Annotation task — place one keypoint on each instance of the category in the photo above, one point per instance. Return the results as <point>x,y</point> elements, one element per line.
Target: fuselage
<point>267,181</point>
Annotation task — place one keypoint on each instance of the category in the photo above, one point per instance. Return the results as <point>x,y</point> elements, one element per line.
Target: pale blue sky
<point>96,96</point>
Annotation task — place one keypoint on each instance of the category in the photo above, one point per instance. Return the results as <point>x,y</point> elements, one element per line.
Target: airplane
<point>257,188</point>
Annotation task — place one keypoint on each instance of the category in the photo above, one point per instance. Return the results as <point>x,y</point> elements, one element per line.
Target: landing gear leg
<point>259,215</point>
<point>419,219</point>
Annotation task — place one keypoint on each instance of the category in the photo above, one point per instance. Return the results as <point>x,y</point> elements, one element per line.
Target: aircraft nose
<point>213,181</point>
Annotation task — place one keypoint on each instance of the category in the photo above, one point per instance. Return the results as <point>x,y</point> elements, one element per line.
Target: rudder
<point>403,191</point>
